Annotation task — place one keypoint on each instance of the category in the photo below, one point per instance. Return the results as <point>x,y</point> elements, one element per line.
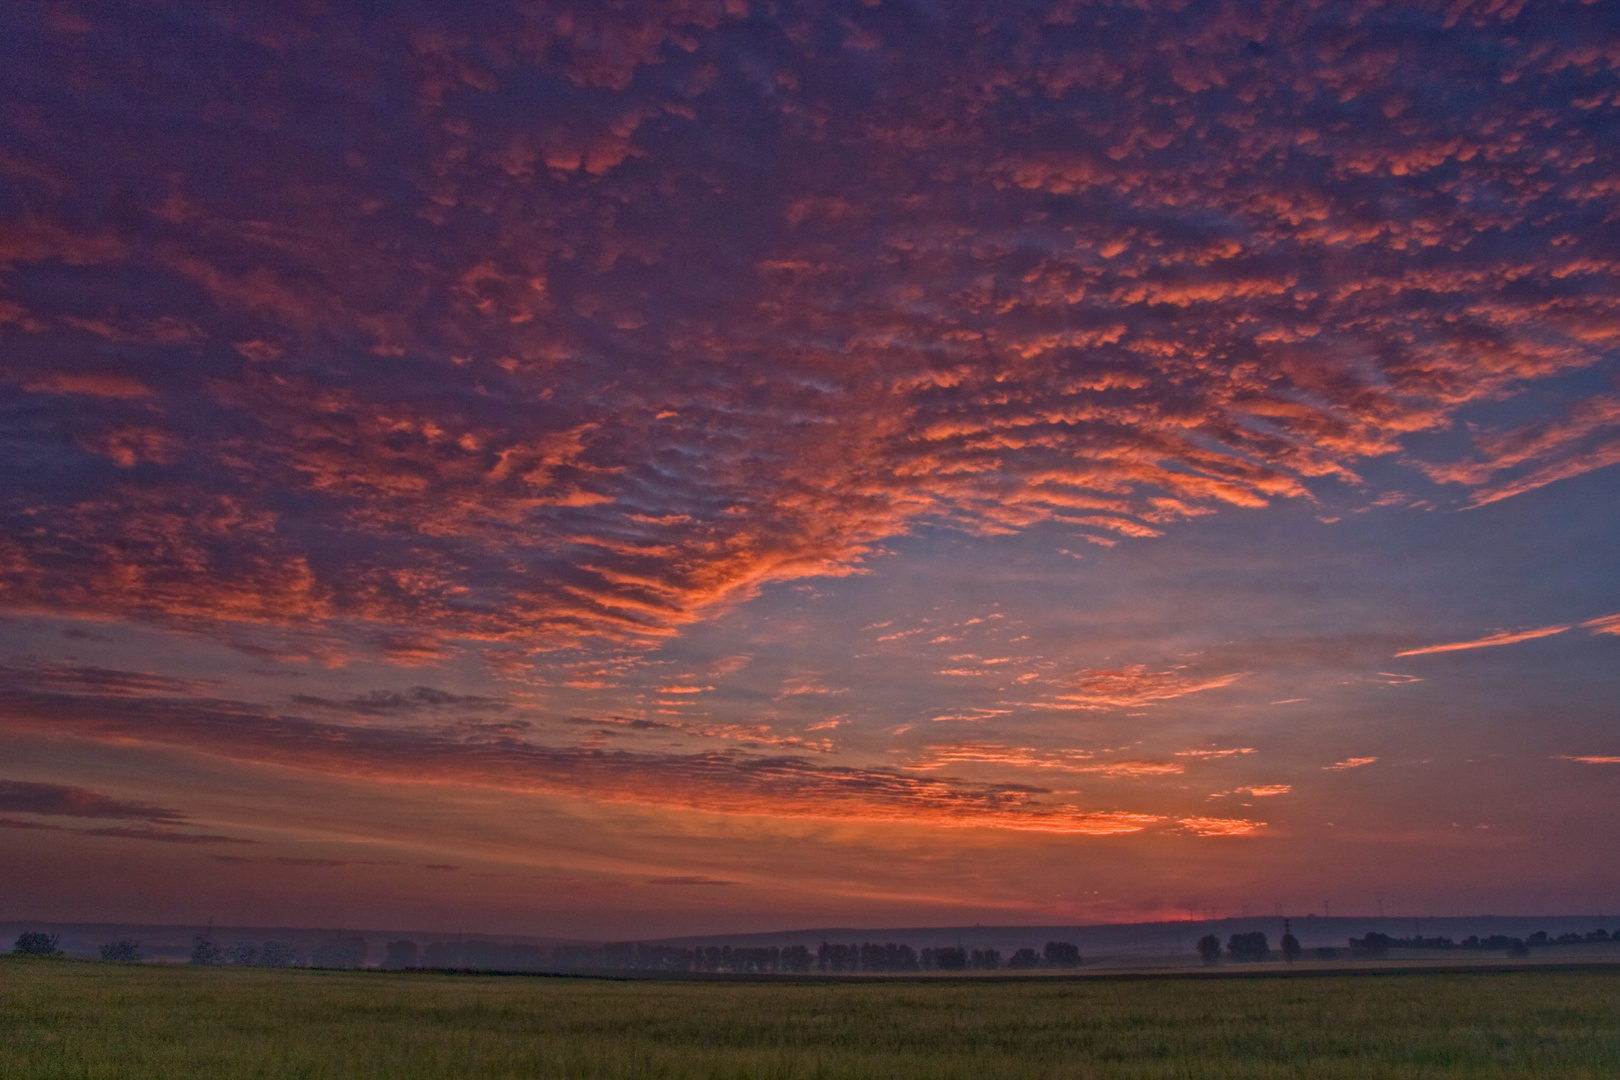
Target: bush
<point>1209,948</point>
<point>34,943</point>
<point>123,951</point>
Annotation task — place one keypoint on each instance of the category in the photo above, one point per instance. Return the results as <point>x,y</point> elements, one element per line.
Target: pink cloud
<point>1506,637</point>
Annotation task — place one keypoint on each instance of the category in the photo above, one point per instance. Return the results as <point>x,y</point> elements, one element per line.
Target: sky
<point>621,469</point>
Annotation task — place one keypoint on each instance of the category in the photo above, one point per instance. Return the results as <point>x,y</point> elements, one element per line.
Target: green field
<point>62,1019</point>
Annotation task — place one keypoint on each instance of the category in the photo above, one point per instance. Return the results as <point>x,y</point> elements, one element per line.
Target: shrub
<point>123,951</point>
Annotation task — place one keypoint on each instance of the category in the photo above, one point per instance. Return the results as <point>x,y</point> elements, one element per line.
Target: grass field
<point>63,1019</point>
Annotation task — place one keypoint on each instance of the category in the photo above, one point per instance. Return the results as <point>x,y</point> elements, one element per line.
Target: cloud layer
<point>732,783</point>
<point>544,325</point>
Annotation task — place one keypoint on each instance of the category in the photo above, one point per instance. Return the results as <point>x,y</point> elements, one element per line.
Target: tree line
<point>829,959</point>
<point>482,955</point>
<point>1254,947</point>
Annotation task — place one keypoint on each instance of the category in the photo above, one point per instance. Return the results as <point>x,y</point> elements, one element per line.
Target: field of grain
<point>65,1019</point>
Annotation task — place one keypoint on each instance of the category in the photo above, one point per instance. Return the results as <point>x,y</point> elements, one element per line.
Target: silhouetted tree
<point>1290,947</point>
<point>985,959</point>
<point>278,954</point>
<point>1517,948</point>
<point>1024,959</point>
<point>1061,954</point>
<point>1248,948</point>
<point>1372,944</point>
<point>243,954</point>
<point>888,957</point>
<point>797,959</point>
<point>122,952</point>
<point>1209,948</point>
<point>204,951</point>
<point>35,943</point>
<point>838,958</point>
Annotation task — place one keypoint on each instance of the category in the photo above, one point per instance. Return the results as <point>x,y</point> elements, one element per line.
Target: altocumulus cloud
<point>539,324</point>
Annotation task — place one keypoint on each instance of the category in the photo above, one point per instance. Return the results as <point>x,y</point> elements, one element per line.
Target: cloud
<point>1135,686</point>
<point>165,836</point>
<point>1608,624</point>
<point>13,823</point>
<point>59,800</point>
<point>75,677</point>
<point>1349,763</point>
<point>62,801</point>
<point>1505,637</point>
<point>1564,447</point>
<point>390,702</point>
<point>725,783</point>
<point>94,384</point>
<point>591,393</point>
<point>1590,760</point>
<point>1209,826</point>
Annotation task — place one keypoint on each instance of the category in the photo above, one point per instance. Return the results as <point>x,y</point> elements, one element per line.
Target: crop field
<point>64,1019</point>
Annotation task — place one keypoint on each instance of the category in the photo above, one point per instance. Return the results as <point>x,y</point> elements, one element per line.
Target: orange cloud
<point>1135,686</point>
<point>722,783</point>
<point>1209,826</point>
<point>1349,763</point>
<point>1608,624</point>
<point>92,384</point>
<point>1506,637</point>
